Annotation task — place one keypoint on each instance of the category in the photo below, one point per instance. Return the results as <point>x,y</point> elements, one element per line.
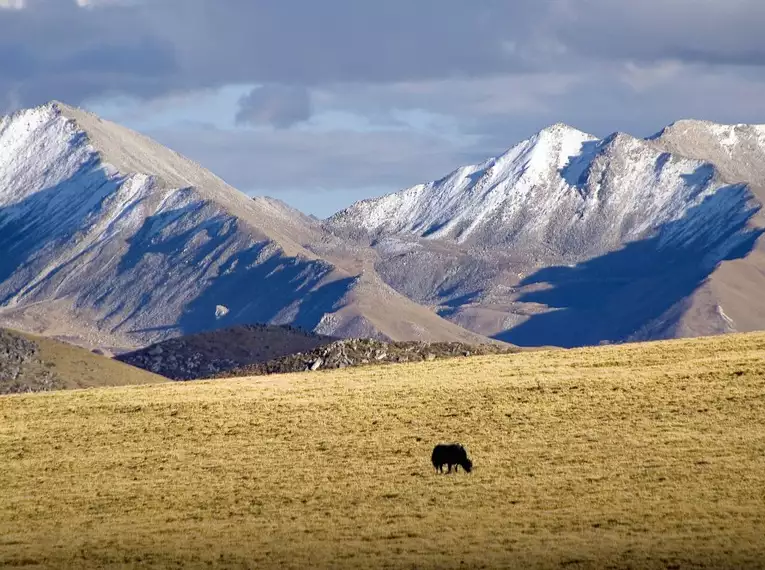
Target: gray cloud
<point>57,50</point>
<point>714,32</point>
<point>191,44</point>
<point>279,105</point>
<point>151,48</point>
<point>295,41</point>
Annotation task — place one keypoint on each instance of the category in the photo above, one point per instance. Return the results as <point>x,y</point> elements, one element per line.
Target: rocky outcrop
<point>361,352</point>
<point>21,370</point>
<point>215,352</point>
<point>179,362</point>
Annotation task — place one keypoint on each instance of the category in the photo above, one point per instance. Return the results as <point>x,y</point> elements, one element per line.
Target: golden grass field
<point>635,456</point>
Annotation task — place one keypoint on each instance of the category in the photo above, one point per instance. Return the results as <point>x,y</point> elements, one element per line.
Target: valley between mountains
<point>114,242</point>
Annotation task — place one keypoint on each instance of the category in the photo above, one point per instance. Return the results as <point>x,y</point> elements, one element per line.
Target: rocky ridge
<point>212,353</point>
<point>362,352</point>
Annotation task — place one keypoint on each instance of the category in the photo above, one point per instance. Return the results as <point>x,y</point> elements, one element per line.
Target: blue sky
<point>324,103</point>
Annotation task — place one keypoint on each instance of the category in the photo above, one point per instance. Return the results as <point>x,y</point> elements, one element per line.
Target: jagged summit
<point>561,128</point>
<point>463,204</point>
<point>690,128</point>
<point>561,194</point>
<point>690,132</point>
<point>736,150</point>
<point>703,123</point>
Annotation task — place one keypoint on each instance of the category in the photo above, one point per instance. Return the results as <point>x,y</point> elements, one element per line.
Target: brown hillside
<point>30,363</point>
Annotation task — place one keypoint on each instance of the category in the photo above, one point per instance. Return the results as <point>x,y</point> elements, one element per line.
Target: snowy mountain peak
<point>472,198</point>
<point>687,124</point>
<point>561,129</point>
<point>561,194</point>
<point>569,240</point>
<point>554,145</point>
<point>112,239</point>
<point>691,129</point>
<point>121,151</point>
<point>737,151</point>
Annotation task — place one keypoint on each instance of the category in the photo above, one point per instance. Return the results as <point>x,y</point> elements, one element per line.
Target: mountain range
<point>113,241</point>
<point>570,240</point>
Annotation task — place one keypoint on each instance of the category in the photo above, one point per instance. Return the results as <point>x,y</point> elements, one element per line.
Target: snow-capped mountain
<point>499,194</point>
<point>568,240</point>
<point>560,194</point>
<point>111,239</point>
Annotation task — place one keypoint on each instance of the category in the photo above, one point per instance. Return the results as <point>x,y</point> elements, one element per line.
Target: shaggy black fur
<point>451,454</point>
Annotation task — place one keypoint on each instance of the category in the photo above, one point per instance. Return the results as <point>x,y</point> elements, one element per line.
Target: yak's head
<point>467,465</point>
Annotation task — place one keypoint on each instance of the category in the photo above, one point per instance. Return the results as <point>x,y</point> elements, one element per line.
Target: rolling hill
<point>30,363</point>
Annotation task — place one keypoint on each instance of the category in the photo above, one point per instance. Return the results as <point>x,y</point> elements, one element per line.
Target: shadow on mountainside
<point>282,290</point>
<point>610,297</point>
<point>32,228</point>
<point>255,282</point>
<point>84,242</point>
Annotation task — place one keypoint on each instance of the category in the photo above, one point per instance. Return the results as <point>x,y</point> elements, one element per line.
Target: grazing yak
<point>450,454</point>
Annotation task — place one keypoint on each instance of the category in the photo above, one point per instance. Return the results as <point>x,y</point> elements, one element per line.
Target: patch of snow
<point>729,323</point>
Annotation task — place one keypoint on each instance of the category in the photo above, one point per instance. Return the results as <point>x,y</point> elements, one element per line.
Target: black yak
<point>450,454</point>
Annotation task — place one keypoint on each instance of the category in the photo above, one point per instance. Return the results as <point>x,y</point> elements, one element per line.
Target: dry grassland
<point>640,456</point>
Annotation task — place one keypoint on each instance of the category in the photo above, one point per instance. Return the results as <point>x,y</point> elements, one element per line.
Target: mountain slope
<point>731,298</point>
<point>113,240</point>
<point>565,240</point>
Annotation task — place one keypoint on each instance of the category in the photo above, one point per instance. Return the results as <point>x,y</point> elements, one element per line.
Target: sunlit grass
<point>633,456</point>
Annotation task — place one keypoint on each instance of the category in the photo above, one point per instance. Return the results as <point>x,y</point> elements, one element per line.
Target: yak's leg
<point>450,468</point>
